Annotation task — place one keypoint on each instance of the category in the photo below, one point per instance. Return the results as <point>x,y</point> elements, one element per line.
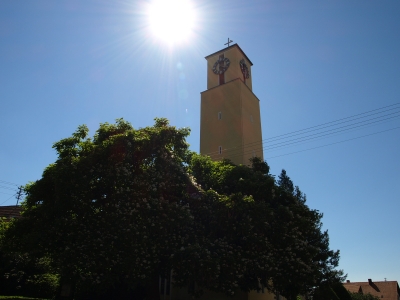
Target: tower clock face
<point>245,69</point>
<point>221,65</point>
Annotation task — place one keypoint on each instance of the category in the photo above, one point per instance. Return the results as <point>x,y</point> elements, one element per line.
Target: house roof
<point>354,288</point>
<point>11,211</point>
<point>385,290</point>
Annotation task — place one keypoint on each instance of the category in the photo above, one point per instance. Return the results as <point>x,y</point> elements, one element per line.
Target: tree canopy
<point>116,211</point>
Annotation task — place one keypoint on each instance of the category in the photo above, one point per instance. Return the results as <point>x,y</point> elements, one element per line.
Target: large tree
<point>116,211</point>
<point>290,253</point>
<point>108,211</point>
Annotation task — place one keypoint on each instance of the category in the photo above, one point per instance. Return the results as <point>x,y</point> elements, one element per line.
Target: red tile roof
<point>11,211</point>
<point>354,288</point>
<point>384,290</point>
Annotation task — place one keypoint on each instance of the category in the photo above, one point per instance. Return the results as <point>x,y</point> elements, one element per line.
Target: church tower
<point>230,122</point>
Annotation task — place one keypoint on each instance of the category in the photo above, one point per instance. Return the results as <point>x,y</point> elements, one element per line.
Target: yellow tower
<point>230,122</point>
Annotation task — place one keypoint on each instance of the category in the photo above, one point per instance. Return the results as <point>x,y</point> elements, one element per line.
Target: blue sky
<point>68,63</point>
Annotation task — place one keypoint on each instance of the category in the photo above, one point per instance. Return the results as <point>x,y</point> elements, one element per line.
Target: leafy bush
<point>22,274</point>
<point>358,296</point>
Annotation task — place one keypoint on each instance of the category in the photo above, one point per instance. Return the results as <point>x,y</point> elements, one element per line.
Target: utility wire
<point>236,152</point>
<point>310,136</point>
<point>7,188</point>
<point>397,112</point>
<point>5,193</point>
<point>8,199</point>
<point>249,152</point>
<point>353,118</point>
<point>326,145</point>
<point>7,182</point>
<point>7,185</point>
<point>318,134</point>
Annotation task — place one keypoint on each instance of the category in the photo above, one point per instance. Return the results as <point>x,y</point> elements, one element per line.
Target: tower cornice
<point>230,82</point>
<point>223,50</point>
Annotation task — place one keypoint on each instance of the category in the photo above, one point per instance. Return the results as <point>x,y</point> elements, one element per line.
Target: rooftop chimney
<point>373,285</point>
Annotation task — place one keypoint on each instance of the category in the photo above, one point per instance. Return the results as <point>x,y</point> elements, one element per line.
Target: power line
<point>359,137</point>
<point>321,126</point>
<point>361,122</point>
<point>249,152</point>
<point>7,185</point>
<point>303,139</point>
<point>352,118</point>
<point>7,188</point>
<point>18,194</point>
<point>320,134</point>
<point>8,199</point>
<point>323,134</point>
<point>5,193</point>
<point>7,182</point>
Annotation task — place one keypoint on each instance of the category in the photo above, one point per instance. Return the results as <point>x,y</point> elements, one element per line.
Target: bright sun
<point>171,20</point>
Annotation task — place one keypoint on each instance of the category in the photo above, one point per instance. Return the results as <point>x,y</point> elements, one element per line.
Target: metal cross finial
<point>229,41</point>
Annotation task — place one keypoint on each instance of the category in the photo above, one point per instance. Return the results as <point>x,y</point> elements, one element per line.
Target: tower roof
<point>234,45</point>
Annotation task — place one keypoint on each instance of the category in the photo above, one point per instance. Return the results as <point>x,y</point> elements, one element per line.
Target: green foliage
<point>23,274</point>
<point>116,211</point>
<point>357,296</point>
<point>4,225</point>
<point>108,212</point>
<point>341,291</point>
<point>285,183</point>
<point>273,235</point>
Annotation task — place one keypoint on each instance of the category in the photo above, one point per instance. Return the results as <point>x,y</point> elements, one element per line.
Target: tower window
<point>220,149</point>
<point>219,115</point>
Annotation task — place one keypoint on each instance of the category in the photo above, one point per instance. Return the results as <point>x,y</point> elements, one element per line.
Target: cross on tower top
<point>229,41</point>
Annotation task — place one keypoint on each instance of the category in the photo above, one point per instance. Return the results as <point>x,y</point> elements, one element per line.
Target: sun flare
<point>171,21</point>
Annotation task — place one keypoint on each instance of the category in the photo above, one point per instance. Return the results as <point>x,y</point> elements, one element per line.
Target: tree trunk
<point>152,292</point>
<point>65,290</point>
